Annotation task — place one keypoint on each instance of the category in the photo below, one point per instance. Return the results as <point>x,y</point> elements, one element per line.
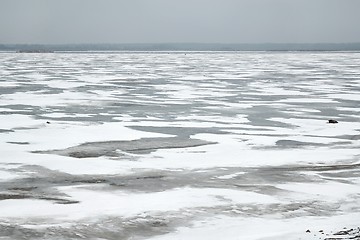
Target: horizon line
<point>54,47</point>
<point>178,43</point>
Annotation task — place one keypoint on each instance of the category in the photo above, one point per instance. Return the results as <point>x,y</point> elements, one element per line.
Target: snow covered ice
<point>175,145</point>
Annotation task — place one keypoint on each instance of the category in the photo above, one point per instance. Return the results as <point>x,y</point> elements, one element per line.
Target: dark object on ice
<point>48,122</point>
<point>344,232</point>
<point>353,233</point>
<point>332,121</point>
<point>308,231</point>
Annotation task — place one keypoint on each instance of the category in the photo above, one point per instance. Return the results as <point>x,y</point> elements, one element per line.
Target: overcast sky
<point>159,21</point>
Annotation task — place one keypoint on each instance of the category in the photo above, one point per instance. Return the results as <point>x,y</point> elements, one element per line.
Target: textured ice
<point>157,145</point>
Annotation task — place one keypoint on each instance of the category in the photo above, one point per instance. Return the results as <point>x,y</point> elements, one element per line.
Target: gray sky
<point>159,21</point>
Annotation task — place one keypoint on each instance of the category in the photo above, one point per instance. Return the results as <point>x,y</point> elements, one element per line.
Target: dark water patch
<point>343,176</point>
<point>42,184</point>
<point>22,189</point>
<point>131,105</point>
<point>151,177</point>
<point>319,168</point>
<point>58,200</point>
<point>140,146</point>
<point>89,179</point>
<point>296,144</point>
<point>262,115</point>
<point>11,196</point>
<point>23,87</point>
<point>289,144</point>
<point>19,143</point>
<point>349,137</point>
<point>6,131</point>
<point>10,113</point>
<point>7,196</point>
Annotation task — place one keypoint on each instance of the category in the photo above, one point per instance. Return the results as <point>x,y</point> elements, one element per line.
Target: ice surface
<point>248,228</point>
<point>155,145</point>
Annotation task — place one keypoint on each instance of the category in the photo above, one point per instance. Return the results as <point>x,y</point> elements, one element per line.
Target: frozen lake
<point>179,145</point>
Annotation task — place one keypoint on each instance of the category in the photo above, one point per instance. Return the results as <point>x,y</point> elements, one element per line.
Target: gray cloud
<point>212,21</point>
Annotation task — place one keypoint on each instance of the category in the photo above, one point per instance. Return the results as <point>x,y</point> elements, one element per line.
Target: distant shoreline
<point>181,47</point>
